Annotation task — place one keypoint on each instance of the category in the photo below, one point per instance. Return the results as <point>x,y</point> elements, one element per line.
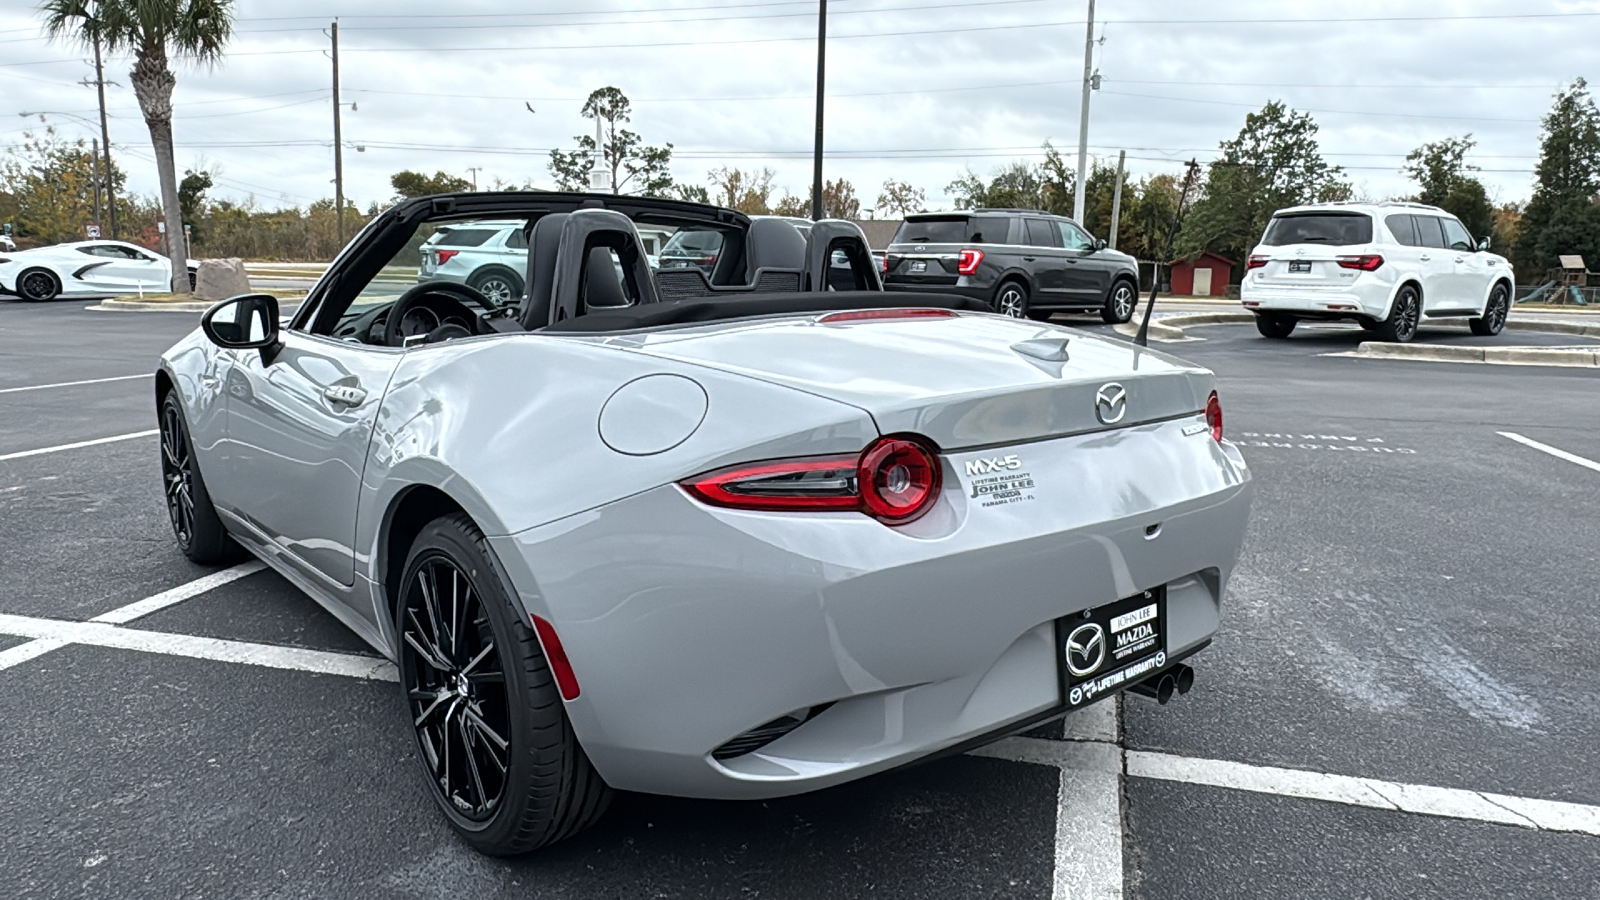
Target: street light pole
<point>1083,121</point>
<point>816,158</point>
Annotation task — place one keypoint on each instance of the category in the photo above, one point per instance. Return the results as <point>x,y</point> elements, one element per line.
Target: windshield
<point>1319,228</point>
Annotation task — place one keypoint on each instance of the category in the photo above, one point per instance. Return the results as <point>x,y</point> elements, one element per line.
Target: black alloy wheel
<point>195,524</point>
<point>1119,304</point>
<point>177,474</point>
<point>1012,300</point>
<point>455,688</point>
<point>489,721</point>
<point>1404,316</point>
<point>1494,313</point>
<point>38,284</point>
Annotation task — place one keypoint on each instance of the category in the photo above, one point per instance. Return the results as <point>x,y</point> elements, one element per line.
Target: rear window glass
<point>694,241</point>
<point>954,230</point>
<point>1319,228</point>
<point>465,237</point>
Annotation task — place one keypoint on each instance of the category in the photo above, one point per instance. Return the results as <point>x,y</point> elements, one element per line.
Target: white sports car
<point>86,269</point>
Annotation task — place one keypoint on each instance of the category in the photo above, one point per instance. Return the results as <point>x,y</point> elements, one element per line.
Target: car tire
<point>1368,324</point>
<point>1041,315</point>
<point>1120,302</point>
<point>38,285</point>
<point>1011,299</point>
<point>195,524</point>
<point>1275,325</point>
<point>1494,313</point>
<point>484,690</point>
<point>1405,314</point>
<point>500,286</point>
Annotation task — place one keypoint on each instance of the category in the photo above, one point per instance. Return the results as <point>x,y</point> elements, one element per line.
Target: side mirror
<point>1483,243</point>
<point>1099,243</point>
<point>245,322</point>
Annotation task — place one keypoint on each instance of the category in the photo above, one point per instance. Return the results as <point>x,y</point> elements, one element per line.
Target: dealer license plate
<point>1295,266</point>
<point>1103,650</point>
<point>918,267</point>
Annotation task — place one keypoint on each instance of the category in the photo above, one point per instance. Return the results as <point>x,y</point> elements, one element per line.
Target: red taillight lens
<point>894,480</point>
<point>883,265</point>
<point>443,256</point>
<point>1214,416</point>
<point>1255,262</point>
<point>858,315</point>
<point>967,262</point>
<point>898,479</point>
<point>1366,262</point>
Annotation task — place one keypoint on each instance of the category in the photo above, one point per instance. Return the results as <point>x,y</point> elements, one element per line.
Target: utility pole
<point>1116,199</point>
<point>475,170</point>
<point>105,134</point>
<point>94,147</point>
<point>1083,120</point>
<point>338,143</point>
<point>816,157</point>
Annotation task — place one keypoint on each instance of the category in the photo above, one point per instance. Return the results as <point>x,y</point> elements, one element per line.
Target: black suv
<point>1022,262</point>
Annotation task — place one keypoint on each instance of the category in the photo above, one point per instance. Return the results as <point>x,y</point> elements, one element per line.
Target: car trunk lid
<point>964,381</point>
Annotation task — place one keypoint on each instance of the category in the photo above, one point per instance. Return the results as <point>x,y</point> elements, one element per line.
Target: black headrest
<point>543,247</point>
<point>773,244</point>
<point>830,235</point>
<point>602,284</point>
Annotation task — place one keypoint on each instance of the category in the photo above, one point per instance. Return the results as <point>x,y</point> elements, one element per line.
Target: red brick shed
<point>1206,275</point>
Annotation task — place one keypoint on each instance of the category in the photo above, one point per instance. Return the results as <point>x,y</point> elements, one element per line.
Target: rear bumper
<point>1373,303</point>
<point>962,288</point>
<point>687,626</point>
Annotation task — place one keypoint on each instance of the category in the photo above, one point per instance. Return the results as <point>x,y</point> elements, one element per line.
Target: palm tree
<point>153,31</point>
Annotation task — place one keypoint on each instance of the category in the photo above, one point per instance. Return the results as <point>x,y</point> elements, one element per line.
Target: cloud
<point>975,85</point>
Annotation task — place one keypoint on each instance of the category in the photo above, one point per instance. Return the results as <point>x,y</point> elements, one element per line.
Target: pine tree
<point>1563,216</point>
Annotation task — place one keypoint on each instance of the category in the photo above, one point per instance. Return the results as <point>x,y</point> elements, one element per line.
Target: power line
<point>1265,84</point>
<point>1350,112</point>
<point>523,97</point>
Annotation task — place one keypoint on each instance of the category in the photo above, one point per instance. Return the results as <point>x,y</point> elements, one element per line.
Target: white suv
<point>1388,266</point>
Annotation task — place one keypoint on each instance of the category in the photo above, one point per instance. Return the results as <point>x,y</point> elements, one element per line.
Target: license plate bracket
<point>918,266</point>
<point>1103,650</point>
<point>1299,266</point>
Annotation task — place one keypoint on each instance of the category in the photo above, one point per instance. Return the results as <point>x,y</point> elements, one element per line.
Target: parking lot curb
<point>1553,327</point>
<point>1505,356</point>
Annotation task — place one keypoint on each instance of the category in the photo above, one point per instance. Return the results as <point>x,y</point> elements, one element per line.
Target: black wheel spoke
<point>455,687</point>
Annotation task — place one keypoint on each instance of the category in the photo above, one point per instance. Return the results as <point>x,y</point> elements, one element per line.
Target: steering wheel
<point>450,290</point>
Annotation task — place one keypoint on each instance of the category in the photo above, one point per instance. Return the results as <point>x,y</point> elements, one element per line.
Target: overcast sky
<point>917,90</point>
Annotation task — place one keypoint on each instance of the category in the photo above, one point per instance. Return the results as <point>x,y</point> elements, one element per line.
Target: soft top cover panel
<point>680,312</point>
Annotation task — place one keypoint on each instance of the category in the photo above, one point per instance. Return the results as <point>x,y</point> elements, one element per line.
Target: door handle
<point>1424,257</point>
<point>1461,259</point>
<point>346,394</point>
<point>1029,258</point>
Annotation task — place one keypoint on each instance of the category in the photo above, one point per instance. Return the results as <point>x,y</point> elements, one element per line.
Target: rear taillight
<point>1214,416</point>
<point>443,256</point>
<point>1255,262</point>
<point>968,261</point>
<point>1366,262</point>
<point>859,315</point>
<point>895,480</point>
<point>883,265</point>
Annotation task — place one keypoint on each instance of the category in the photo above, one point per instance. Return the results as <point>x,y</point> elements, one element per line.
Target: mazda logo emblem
<point>1086,649</point>
<point>1111,404</point>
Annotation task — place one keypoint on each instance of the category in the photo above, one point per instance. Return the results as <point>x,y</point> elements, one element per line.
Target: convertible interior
<point>587,271</point>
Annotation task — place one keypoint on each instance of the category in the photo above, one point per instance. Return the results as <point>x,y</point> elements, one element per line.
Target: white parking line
<point>74,446</point>
<point>100,634</point>
<point>124,614</point>
<point>1428,800</point>
<point>1553,451</point>
<point>61,384</point>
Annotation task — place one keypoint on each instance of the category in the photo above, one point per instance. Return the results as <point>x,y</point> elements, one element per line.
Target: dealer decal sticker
<point>999,480</point>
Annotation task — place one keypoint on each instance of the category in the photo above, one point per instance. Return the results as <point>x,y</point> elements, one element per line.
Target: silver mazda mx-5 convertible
<point>710,531</point>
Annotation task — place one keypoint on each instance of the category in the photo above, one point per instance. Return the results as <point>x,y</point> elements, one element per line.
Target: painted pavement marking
<point>1553,451</point>
<point>73,446</point>
<point>62,384</point>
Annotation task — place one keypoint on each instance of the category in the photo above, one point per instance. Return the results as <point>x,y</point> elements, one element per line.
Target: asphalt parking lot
<point>1401,702</point>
